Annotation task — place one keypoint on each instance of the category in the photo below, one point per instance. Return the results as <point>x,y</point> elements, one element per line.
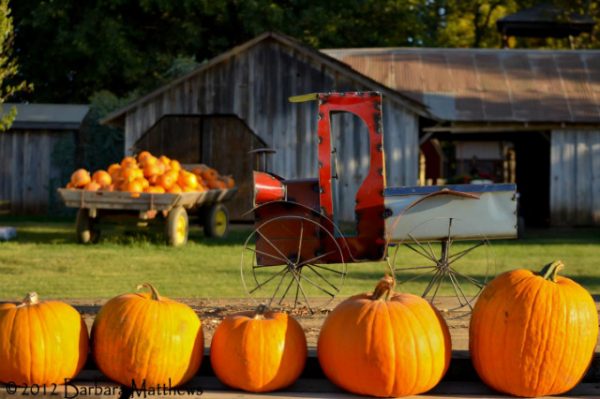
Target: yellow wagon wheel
<point>177,227</point>
<point>216,222</point>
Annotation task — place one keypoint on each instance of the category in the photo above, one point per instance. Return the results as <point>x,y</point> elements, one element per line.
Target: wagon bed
<point>142,201</point>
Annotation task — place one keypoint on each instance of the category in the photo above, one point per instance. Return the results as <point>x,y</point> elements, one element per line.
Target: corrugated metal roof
<point>47,116</point>
<point>488,85</point>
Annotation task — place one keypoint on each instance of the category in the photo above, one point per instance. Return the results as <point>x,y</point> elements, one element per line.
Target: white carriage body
<point>493,214</point>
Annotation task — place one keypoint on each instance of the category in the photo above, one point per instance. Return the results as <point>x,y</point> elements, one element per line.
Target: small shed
<point>525,116</point>
<point>31,154</point>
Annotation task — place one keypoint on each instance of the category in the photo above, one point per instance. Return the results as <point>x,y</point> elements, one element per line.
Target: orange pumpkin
<point>175,165</point>
<point>384,344</point>
<point>154,190</point>
<point>175,189</point>
<point>102,177</point>
<point>258,351</point>
<point>112,169</point>
<point>229,182</point>
<point>134,186</point>
<point>92,186</point>
<point>209,174</point>
<point>147,338</point>
<point>110,187</point>
<point>533,334</point>
<point>128,162</point>
<point>151,169</point>
<point>187,180</point>
<point>143,156</point>
<point>70,185</point>
<point>41,342</point>
<point>80,178</point>
<point>167,180</point>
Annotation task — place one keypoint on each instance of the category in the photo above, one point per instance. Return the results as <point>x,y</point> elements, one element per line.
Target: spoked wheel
<point>292,261</point>
<point>449,270</point>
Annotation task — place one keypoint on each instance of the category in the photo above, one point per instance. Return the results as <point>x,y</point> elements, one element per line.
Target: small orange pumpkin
<point>175,189</point>
<point>533,334</point>
<point>113,168</point>
<point>167,180</point>
<point>187,180</point>
<point>144,337</point>
<point>41,342</point>
<point>92,186</point>
<point>154,190</point>
<point>258,351</point>
<point>384,344</point>
<point>102,177</point>
<point>80,178</point>
<point>143,156</point>
<point>128,162</point>
<point>209,173</point>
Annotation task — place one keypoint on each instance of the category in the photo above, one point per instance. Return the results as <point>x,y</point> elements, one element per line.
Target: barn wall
<point>255,85</point>
<point>575,177</point>
<point>28,177</point>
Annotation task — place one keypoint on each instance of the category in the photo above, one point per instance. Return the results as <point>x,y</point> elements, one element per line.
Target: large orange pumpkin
<point>41,342</point>
<point>384,344</point>
<point>80,178</point>
<point>533,334</point>
<point>258,351</point>
<point>144,337</point>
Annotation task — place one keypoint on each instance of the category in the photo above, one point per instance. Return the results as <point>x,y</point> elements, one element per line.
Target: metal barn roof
<point>488,85</point>
<point>47,116</point>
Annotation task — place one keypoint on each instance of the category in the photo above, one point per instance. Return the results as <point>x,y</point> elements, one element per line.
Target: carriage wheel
<point>291,271</point>
<point>449,271</point>
<point>177,227</point>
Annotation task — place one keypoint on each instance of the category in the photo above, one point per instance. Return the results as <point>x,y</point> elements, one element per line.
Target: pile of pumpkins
<point>531,334</point>
<point>149,174</point>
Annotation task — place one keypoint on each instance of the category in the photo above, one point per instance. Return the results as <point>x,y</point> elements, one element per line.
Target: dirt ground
<point>212,311</point>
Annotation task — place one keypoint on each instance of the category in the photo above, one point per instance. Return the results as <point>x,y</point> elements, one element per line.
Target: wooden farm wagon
<point>96,207</point>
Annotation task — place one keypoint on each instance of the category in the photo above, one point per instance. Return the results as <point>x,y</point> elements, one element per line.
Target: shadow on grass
<point>62,231</point>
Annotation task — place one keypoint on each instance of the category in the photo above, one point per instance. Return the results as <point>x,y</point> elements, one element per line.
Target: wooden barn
<point>450,115</point>
<point>30,154</point>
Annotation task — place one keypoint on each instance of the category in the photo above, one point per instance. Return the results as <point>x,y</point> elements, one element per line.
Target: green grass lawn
<point>46,258</point>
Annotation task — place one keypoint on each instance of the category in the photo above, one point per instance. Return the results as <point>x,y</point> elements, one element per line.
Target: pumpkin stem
<point>259,313</point>
<point>31,298</point>
<point>153,290</point>
<point>385,286</point>
<point>550,271</point>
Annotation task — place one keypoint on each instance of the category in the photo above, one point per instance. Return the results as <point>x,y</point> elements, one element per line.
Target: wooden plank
<point>557,216</point>
<point>583,175</point>
<point>595,180</point>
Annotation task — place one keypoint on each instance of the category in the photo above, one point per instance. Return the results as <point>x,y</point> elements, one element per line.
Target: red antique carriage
<point>298,251</point>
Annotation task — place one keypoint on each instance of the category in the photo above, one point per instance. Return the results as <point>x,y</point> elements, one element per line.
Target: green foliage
<point>101,145</point>
<point>8,66</point>
<point>71,49</point>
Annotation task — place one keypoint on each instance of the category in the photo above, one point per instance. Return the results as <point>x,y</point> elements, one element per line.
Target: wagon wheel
<point>445,266</point>
<point>216,221</point>
<point>86,228</point>
<point>177,227</point>
<point>284,263</point>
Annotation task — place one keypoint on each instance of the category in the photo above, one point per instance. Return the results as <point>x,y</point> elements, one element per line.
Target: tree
<point>8,66</point>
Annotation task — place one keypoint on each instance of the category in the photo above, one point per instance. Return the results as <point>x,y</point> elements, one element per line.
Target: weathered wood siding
<point>28,177</point>
<point>222,142</point>
<point>255,85</point>
<point>575,177</point>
